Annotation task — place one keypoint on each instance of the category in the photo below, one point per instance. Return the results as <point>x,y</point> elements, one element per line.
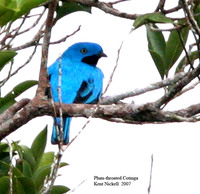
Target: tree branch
<point>43,78</point>
<point>139,91</point>
<point>178,87</point>
<point>125,113</point>
<point>107,8</point>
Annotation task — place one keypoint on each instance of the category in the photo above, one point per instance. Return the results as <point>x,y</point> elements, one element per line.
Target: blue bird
<point>81,80</point>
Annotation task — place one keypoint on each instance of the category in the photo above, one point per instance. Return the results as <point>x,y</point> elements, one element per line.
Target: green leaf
<point>6,14</point>
<point>6,168</point>
<point>157,45</point>
<point>70,7</point>
<point>3,146</point>
<point>6,105</point>
<point>40,175</point>
<point>16,147</point>
<point>11,10</point>
<point>5,57</point>
<point>27,172</point>
<point>4,185</point>
<point>196,14</point>
<point>156,41</point>
<point>5,157</point>
<point>47,158</point>
<point>22,87</point>
<point>9,99</point>
<point>27,184</point>
<point>18,187</point>
<point>28,156</point>
<point>174,46</point>
<point>58,189</point>
<point>39,144</point>
<point>160,64</point>
<point>24,6</point>
<point>21,185</point>
<point>151,18</point>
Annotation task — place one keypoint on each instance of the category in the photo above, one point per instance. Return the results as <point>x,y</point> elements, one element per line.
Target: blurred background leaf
<point>9,99</point>
<point>5,57</point>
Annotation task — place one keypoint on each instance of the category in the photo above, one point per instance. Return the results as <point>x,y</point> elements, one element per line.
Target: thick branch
<point>127,113</point>
<point>43,78</point>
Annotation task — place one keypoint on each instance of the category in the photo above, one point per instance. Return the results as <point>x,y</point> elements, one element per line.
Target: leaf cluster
<point>164,53</point>
<point>32,167</point>
<point>10,10</point>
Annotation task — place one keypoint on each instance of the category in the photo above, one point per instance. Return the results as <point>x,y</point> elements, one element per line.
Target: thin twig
<point>12,37</point>
<point>172,10</point>
<point>116,2</point>
<point>115,67</point>
<point>166,30</point>
<point>59,129</point>
<point>35,23</point>
<point>138,91</point>
<point>106,7</point>
<point>10,172</point>
<point>53,174</point>
<point>150,179</point>
<point>75,137</point>
<point>17,70</point>
<point>73,190</point>
<point>190,16</point>
<point>67,36</point>
<point>160,6</point>
<point>8,76</point>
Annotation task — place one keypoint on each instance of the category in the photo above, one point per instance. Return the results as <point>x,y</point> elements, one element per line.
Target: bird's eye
<point>83,50</point>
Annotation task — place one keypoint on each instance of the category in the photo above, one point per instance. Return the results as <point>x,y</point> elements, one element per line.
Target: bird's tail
<point>66,125</point>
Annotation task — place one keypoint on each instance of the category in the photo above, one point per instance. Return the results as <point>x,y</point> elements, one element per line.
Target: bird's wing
<point>85,91</point>
<point>90,89</point>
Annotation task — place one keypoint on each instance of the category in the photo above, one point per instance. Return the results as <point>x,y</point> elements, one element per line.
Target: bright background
<point>111,149</point>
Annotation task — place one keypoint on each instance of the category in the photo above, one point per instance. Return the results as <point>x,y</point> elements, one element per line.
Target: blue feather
<point>81,80</point>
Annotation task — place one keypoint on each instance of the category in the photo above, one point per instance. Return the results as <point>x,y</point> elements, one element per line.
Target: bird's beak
<point>103,55</point>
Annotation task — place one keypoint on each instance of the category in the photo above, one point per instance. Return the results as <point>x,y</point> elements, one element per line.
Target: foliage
<point>70,7</point>
<point>167,47</point>
<point>31,167</point>
<point>10,10</point>
<point>164,53</point>
<point>151,18</point>
<point>6,56</point>
<point>9,99</point>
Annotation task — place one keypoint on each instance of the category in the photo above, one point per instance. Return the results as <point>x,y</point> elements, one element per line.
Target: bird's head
<point>86,52</point>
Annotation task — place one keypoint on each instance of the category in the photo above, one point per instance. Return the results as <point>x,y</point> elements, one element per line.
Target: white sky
<point>109,149</point>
